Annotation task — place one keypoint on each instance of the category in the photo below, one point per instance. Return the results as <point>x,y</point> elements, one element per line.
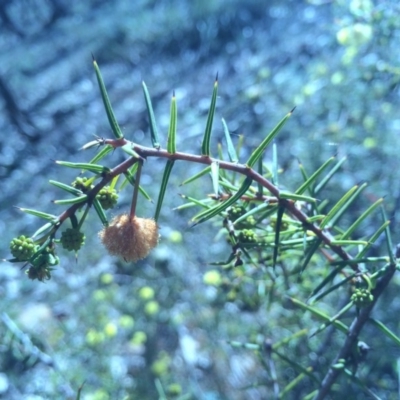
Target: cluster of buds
<point>247,236</point>
<point>83,184</point>
<point>362,297</point>
<point>22,248</point>
<point>41,265</point>
<point>72,239</point>
<point>41,260</point>
<point>107,197</point>
<point>235,212</point>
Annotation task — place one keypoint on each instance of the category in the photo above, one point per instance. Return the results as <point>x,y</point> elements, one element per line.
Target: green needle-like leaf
<point>231,148</point>
<point>193,202</point>
<point>129,150</point>
<point>75,200</point>
<point>254,211</point>
<point>101,154</point>
<point>297,197</point>
<point>340,207</point>
<point>303,171</point>
<point>388,237</point>
<point>91,144</point>
<point>114,181</point>
<point>100,212</point>
<point>83,217</point>
<point>329,278</point>
<point>171,142</point>
<point>296,366</point>
<point>333,288</point>
<point>197,176</point>
<point>39,214</point>
<point>340,242</point>
<point>311,180</point>
<point>144,194</point>
<point>321,315</point>
<point>333,319</point>
<point>74,221</point>
<point>288,339</point>
<point>44,228</point>
<point>361,218</point>
<point>206,215</point>
<point>259,151</point>
<point>152,120</point>
<point>230,187</point>
<point>67,188</point>
<point>279,216</point>
<point>107,105</point>
<point>129,176</point>
<point>97,169</point>
<point>328,177</point>
<point>215,177</point>
<point>309,253</point>
<point>222,172</point>
<point>386,331</point>
<point>373,238</point>
<point>205,147</point>
<point>163,187</point>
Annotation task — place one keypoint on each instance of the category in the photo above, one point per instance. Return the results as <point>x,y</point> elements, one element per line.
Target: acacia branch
<point>289,205</point>
<point>352,335</point>
<point>146,152</point>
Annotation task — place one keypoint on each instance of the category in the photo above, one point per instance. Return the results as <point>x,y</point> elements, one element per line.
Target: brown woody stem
<point>243,169</point>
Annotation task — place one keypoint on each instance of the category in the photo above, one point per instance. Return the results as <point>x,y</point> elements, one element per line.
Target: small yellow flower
<point>212,278</point>
<point>130,238</point>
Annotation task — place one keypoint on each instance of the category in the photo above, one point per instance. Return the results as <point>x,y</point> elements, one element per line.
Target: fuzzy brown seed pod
<point>131,239</point>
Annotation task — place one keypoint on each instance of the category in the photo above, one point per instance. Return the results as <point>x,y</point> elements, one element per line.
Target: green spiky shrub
<point>291,256</point>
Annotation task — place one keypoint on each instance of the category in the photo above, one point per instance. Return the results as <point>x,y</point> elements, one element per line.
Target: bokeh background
<point>127,330</point>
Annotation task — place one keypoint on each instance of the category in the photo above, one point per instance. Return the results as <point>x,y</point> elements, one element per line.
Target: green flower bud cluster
<point>235,212</point>
<point>362,297</point>
<point>22,248</point>
<point>82,183</point>
<point>108,197</point>
<point>72,239</point>
<point>247,236</point>
<point>283,227</point>
<point>42,265</point>
<point>250,220</point>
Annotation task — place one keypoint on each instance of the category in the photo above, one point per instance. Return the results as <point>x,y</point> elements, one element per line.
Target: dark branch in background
<point>352,336</point>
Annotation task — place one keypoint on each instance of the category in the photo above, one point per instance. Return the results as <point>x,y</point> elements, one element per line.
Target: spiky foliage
<point>276,238</point>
